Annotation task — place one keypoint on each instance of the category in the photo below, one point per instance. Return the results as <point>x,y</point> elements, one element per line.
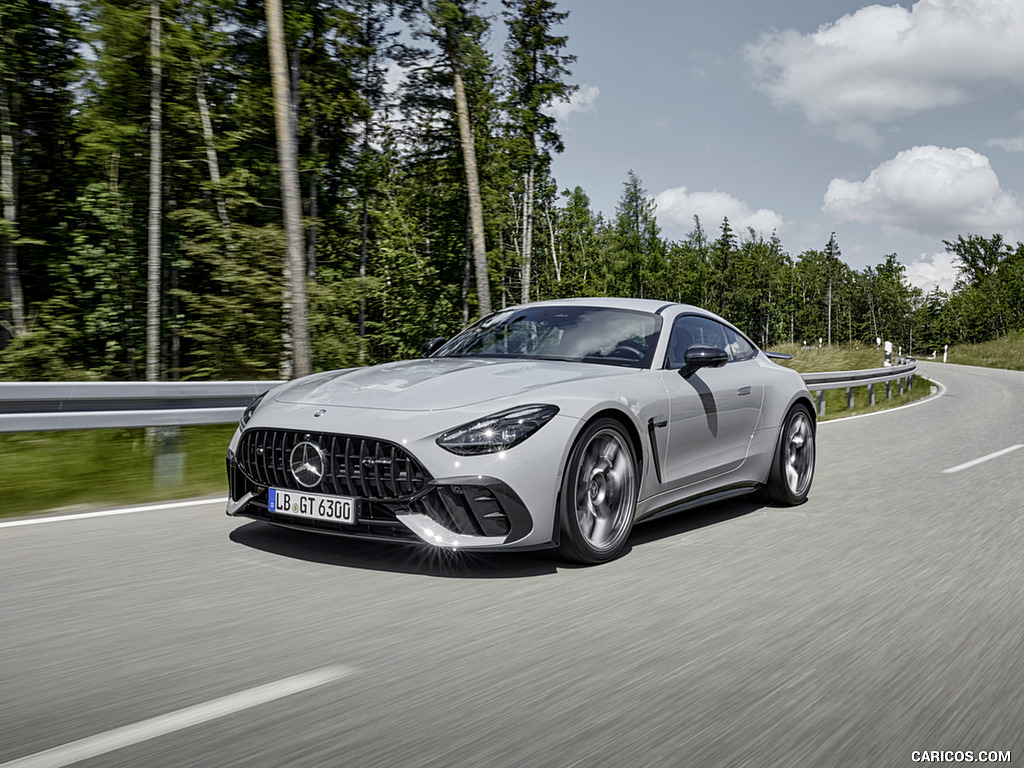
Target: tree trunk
<point>297,360</point>
<point>871,304</point>
<point>527,230</point>
<point>467,272</point>
<point>8,194</point>
<point>313,233</point>
<point>314,210</point>
<point>830,311</point>
<point>363,244</point>
<point>211,149</point>
<point>554,250</point>
<point>476,208</point>
<point>155,201</point>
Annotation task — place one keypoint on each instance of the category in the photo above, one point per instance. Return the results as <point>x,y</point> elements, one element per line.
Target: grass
<point>73,471</point>
<point>844,358</point>
<point>1006,352</point>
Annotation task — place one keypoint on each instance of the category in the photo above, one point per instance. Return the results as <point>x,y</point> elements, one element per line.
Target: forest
<point>243,189</point>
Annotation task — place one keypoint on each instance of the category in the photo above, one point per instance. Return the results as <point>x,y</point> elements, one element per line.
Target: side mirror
<point>702,356</point>
<point>433,345</point>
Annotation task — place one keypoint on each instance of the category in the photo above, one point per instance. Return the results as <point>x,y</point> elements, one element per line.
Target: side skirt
<point>700,500</point>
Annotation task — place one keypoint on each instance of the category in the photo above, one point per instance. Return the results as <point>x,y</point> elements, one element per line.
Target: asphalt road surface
<point>882,619</point>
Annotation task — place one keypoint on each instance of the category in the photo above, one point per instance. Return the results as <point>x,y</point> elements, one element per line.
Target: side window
<point>689,330</point>
<point>692,329</point>
<point>738,347</point>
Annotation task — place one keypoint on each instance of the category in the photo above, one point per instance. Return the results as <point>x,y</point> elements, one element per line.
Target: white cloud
<point>677,206</point>
<point>581,101</point>
<point>882,63</point>
<point>930,191</point>
<point>1015,144</point>
<point>932,270</point>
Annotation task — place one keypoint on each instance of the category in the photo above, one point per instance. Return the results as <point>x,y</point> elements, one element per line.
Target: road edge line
<point>111,512</point>
<point>128,735</point>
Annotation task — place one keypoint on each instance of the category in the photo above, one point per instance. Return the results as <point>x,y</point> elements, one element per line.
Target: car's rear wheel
<point>793,467</point>
<point>599,490</point>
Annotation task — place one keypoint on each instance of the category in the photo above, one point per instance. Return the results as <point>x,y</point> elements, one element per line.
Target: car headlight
<point>498,432</point>
<point>250,409</point>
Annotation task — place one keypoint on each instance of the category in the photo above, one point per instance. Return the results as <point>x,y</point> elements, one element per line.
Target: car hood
<point>438,383</point>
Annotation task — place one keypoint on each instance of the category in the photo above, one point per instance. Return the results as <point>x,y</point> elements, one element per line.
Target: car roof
<point>653,306</point>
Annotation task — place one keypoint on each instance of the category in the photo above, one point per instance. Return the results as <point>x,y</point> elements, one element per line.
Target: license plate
<point>298,504</point>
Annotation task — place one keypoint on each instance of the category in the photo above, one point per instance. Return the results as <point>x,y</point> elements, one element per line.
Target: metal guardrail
<point>42,406</point>
<point>902,374</point>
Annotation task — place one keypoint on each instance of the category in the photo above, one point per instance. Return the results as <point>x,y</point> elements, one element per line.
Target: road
<point>882,618</point>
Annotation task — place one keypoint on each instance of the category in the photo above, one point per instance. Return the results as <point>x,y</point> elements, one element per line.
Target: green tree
<point>636,252</point>
<point>690,266</point>
<point>97,310</point>
<point>576,248</point>
<point>832,267</point>
<point>38,65</point>
<point>154,222</point>
<point>887,303</point>
<point>457,29</point>
<point>991,276</point>
<point>297,359</point>
<point>537,68</point>
<point>760,278</point>
<point>722,257</point>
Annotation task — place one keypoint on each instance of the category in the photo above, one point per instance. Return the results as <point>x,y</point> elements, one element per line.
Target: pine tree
<point>579,245</point>
<point>720,274</point>
<point>832,265</point>
<point>297,359</point>
<point>457,29</point>
<point>537,69</point>
<point>38,64</point>
<point>155,216</point>
<point>636,251</point>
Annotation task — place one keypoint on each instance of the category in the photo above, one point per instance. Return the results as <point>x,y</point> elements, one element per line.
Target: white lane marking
<point>982,460</point>
<point>110,512</point>
<point>940,390</point>
<point>101,744</point>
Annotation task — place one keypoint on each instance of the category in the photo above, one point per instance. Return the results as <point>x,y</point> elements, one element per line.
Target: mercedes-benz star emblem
<point>307,464</point>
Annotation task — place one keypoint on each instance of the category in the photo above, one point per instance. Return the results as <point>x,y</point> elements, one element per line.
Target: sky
<point>895,126</point>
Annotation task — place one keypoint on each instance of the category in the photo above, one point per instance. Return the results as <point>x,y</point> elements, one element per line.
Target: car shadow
<point>439,563</point>
<point>680,523</point>
<point>394,558</point>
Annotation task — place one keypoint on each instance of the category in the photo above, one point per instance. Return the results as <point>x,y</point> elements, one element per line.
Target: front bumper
<point>396,498</point>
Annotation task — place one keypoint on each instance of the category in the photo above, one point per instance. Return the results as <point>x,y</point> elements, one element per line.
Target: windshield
<point>585,334</point>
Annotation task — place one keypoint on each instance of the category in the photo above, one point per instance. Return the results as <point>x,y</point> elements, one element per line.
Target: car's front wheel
<point>793,467</point>
<point>599,491</point>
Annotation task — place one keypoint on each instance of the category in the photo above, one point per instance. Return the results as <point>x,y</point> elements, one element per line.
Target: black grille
<point>358,467</point>
<point>383,478</point>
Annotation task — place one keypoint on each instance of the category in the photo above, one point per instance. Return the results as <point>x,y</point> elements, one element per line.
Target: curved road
<point>883,618</point>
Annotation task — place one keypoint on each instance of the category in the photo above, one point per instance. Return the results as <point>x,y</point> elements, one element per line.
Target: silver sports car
<point>555,424</point>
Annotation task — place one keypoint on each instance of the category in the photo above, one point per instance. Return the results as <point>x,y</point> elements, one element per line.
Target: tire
<point>599,491</point>
<point>792,471</point>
